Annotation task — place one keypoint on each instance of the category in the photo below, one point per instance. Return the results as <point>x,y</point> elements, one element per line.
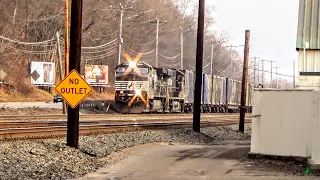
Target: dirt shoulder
<point>29,111</point>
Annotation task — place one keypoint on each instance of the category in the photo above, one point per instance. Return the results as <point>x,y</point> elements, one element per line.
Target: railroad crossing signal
<point>73,88</point>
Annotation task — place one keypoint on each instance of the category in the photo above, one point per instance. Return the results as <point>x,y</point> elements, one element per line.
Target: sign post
<point>73,89</point>
<point>73,80</point>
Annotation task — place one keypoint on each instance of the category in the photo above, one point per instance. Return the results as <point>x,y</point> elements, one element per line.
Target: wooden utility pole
<point>122,9</point>
<point>60,69</point>
<point>211,60</point>
<point>75,59</point>
<point>244,81</point>
<point>66,42</point>
<point>232,68</point>
<point>262,78</point>
<point>258,73</point>
<point>199,59</point>
<point>254,72</point>
<point>157,37</point>
<point>27,14</point>
<point>277,77</point>
<point>271,73</point>
<point>157,42</point>
<point>181,49</point>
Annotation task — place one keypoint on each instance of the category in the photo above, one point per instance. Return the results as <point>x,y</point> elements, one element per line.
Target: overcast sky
<point>272,23</point>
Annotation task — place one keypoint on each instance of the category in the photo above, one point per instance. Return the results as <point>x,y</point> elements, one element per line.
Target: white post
<point>181,52</point>
<point>211,60</point>
<point>120,34</point>
<point>157,42</point>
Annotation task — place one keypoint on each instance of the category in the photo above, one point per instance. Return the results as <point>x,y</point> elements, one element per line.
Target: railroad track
<point>41,129</point>
<point>106,116</point>
<point>26,124</point>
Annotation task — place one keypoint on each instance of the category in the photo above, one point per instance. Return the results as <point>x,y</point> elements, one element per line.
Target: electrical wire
<point>100,57</point>
<point>138,53</point>
<point>143,44</point>
<point>206,65</point>
<point>111,34</point>
<point>166,57</point>
<point>32,20</point>
<point>139,14</point>
<point>27,43</point>
<point>100,46</point>
<point>134,54</point>
<point>103,50</point>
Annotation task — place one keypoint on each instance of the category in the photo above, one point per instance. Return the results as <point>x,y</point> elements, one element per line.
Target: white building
<point>308,44</point>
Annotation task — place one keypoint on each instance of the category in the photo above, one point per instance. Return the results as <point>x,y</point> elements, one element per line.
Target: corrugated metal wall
<point>308,24</point>
<point>312,63</point>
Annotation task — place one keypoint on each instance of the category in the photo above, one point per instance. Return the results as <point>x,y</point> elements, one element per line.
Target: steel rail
<point>43,132</point>
<point>62,116</point>
<point>23,124</point>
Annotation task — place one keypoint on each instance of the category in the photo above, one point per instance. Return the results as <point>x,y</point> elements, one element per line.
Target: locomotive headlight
<point>138,92</point>
<point>132,64</point>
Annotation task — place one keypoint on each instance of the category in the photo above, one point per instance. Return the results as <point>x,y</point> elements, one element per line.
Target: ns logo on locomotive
<point>139,87</point>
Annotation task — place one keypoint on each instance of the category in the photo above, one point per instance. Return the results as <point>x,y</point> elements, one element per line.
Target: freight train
<point>141,88</point>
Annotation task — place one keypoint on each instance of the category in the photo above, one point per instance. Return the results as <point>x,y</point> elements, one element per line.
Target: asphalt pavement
<point>164,161</point>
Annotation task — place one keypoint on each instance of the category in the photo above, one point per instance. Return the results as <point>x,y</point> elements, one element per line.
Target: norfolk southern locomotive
<point>143,88</point>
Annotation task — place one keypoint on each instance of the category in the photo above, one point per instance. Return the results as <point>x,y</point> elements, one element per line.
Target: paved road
<point>17,105</point>
<point>163,161</point>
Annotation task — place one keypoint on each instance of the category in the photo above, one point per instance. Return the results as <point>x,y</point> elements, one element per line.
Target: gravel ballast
<point>52,159</point>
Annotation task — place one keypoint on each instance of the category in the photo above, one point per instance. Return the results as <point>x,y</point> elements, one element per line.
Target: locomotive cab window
<point>126,73</point>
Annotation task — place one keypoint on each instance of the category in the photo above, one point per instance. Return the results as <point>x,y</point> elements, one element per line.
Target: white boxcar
<point>214,95</point>
<point>206,89</point>
<point>220,91</point>
<point>250,89</point>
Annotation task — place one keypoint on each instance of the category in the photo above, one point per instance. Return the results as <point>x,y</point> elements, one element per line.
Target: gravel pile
<point>52,159</point>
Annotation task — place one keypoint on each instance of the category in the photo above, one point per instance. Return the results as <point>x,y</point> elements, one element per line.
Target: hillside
<point>28,33</point>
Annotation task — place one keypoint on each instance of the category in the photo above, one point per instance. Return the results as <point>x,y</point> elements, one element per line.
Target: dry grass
<point>29,111</point>
<point>94,95</point>
<point>27,92</point>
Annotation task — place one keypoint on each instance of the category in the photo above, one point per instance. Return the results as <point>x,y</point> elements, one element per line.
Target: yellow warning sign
<point>73,88</point>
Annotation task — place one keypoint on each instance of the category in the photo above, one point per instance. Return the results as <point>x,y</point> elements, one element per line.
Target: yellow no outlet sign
<point>73,88</point>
